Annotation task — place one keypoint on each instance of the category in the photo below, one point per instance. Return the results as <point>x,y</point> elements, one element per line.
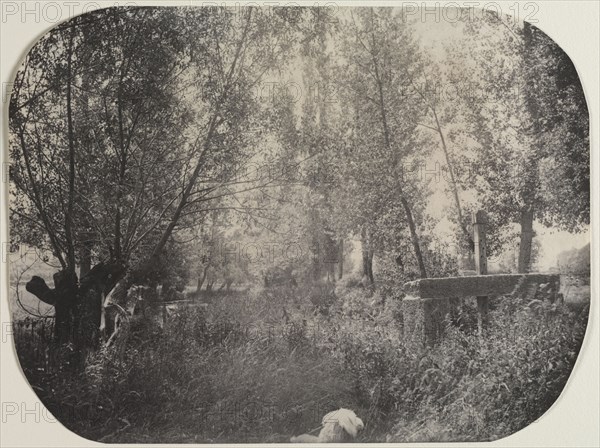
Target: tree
<point>517,138</point>
<point>152,100</point>
<point>89,124</point>
<point>378,50</point>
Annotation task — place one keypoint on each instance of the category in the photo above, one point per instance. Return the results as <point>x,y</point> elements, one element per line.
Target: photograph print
<point>297,224</point>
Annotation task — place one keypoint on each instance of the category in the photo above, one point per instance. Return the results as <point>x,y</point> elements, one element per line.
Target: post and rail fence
<point>429,301</point>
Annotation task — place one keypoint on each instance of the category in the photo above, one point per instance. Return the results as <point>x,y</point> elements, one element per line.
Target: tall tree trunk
<point>65,281</point>
<point>71,141</point>
<point>531,185</point>
<point>366,262</point>
<point>526,221</point>
<point>341,259</point>
<point>388,144</point>
<point>331,254</point>
<point>123,150</point>
<point>367,256</point>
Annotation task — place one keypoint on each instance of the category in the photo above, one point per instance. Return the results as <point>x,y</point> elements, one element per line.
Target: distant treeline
<point>575,261</point>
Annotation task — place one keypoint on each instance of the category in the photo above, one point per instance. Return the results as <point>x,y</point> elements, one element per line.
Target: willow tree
<point>118,120</point>
<point>92,114</point>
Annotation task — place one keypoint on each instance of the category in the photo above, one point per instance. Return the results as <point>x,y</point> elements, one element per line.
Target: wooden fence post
<point>479,221</point>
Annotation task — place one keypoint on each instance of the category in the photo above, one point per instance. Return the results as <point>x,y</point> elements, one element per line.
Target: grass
<point>264,365</point>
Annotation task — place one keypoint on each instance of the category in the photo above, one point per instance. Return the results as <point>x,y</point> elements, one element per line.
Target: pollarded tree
<point>118,121</point>
<point>91,119</point>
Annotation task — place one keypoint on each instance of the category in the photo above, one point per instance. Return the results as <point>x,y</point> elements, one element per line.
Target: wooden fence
<point>429,301</point>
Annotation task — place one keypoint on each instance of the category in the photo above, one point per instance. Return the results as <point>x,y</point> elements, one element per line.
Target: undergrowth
<point>270,364</point>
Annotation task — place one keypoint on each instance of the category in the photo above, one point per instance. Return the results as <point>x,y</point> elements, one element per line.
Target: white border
<point>571,422</point>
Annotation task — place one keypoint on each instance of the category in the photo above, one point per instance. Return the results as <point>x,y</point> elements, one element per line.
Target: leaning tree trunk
<point>117,311</point>
<point>200,282</point>
<point>414,237</point>
<point>524,263</point>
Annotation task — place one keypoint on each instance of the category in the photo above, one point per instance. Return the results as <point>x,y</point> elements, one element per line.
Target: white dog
<point>338,426</point>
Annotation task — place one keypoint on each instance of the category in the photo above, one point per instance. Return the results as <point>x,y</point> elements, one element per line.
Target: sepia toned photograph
<point>294,224</point>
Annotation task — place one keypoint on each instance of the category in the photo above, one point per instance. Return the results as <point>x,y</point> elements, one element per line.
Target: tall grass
<point>266,365</point>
